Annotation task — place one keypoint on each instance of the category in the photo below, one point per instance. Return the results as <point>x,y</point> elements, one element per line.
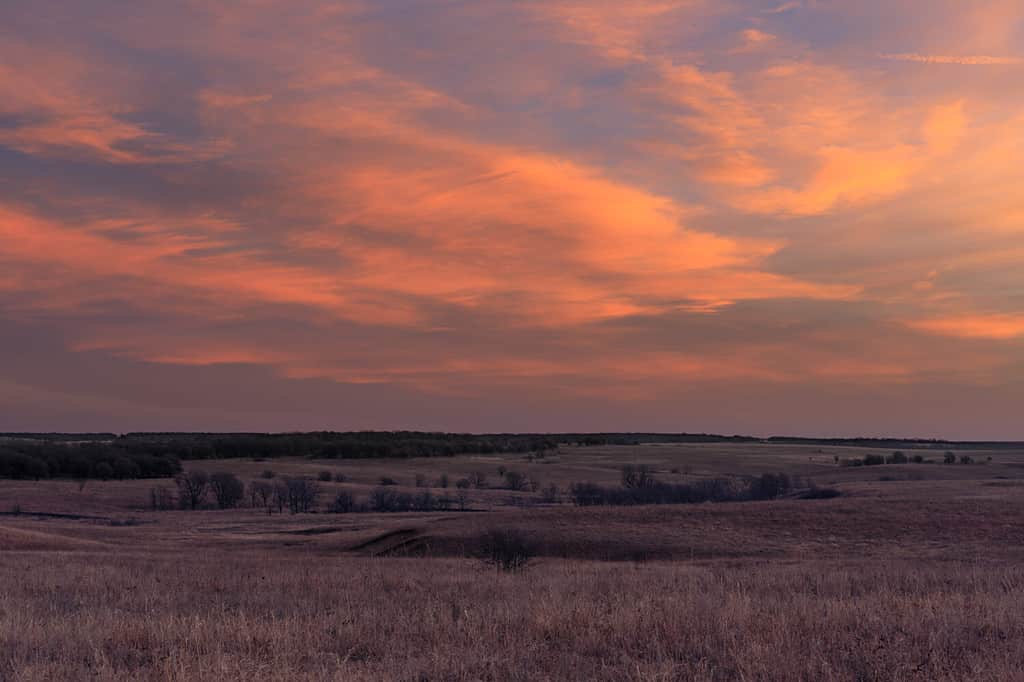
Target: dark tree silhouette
<point>228,490</point>
<point>193,487</point>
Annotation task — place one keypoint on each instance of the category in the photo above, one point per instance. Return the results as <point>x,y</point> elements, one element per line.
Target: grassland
<point>914,577</point>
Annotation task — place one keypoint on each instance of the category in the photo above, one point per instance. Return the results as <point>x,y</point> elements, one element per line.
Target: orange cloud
<point>159,261</point>
<point>855,175</point>
<point>600,248</point>
<point>617,30</point>
<point>66,107</point>
<point>995,326</point>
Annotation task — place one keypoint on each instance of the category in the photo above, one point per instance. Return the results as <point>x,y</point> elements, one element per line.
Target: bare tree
<point>515,480</point>
<point>261,494</point>
<point>343,503</point>
<point>637,476</point>
<point>301,494</point>
<point>280,499</point>
<point>160,498</point>
<point>227,489</point>
<point>193,487</point>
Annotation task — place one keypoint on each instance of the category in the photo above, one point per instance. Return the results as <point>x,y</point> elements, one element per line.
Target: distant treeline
<point>896,443</point>
<point>81,460</point>
<point>333,445</point>
<point>59,437</point>
<point>150,452</point>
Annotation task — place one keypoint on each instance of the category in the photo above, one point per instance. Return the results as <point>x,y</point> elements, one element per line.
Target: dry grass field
<point>916,572</point>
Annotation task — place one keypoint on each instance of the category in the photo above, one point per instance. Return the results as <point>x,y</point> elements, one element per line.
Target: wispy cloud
<point>1003,326</point>
<point>784,7</point>
<point>970,60</point>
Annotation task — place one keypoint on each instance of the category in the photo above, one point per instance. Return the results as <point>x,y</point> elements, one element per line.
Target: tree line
<point>26,459</point>
<point>301,494</point>
<point>639,487</point>
<point>334,445</point>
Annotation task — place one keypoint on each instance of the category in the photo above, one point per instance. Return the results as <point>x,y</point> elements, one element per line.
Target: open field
<point>917,576</point>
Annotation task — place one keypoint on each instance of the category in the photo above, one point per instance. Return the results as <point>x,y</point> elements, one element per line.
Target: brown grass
<point>900,580</point>
<point>258,617</point>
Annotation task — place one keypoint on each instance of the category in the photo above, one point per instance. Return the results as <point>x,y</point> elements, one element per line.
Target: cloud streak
<point>964,60</point>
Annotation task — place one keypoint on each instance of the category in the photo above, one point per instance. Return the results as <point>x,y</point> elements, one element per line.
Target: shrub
<point>478,479</point>
<point>949,458</point>
<point>873,460</point>
<point>506,550</point>
<point>550,494</point>
<point>463,483</point>
<point>227,489</point>
<point>966,459</point>
<point>917,459</point>
<point>324,476</point>
<point>442,481</point>
<point>387,480</point>
<point>340,477</point>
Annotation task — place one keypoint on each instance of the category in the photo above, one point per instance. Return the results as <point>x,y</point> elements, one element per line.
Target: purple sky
<point>674,215</point>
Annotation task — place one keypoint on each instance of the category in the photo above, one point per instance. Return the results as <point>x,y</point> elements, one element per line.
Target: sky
<point>733,216</point>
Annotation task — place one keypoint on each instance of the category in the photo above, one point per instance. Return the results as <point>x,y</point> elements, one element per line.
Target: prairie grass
<point>907,580</point>
<point>258,617</point>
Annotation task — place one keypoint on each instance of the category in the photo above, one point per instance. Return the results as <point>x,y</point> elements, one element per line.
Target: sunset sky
<point>674,215</point>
